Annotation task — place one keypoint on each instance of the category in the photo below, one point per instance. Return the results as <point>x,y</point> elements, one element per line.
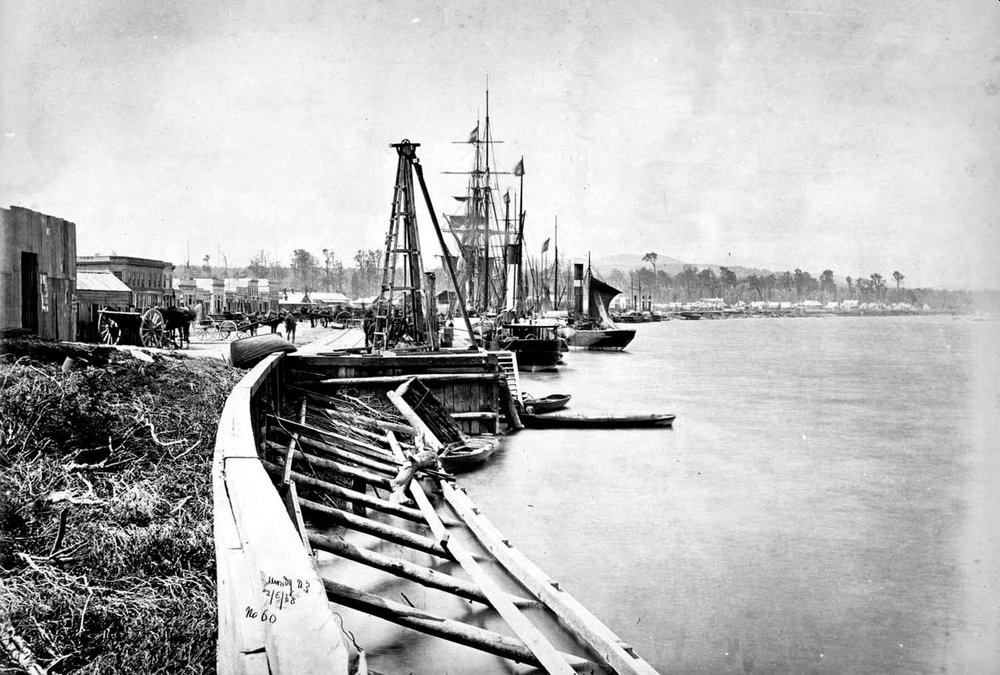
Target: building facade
<point>151,281</point>
<point>37,274</point>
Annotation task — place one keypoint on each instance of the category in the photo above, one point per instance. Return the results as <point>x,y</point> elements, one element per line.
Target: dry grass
<point>106,555</point>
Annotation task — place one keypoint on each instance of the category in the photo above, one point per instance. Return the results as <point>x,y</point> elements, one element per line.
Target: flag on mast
<point>474,136</point>
<point>545,246</point>
<point>519,169</point>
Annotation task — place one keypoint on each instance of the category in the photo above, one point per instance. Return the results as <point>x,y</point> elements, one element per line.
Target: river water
<point>827,502</point>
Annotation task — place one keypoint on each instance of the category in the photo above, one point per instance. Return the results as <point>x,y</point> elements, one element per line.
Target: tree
<point>898,276</point>
<point>850,287</point>
<point>651,259</point>
<point>727,278</point>
<point>259,266</point>
<point>827,284</point>
<point>878,286</point>
<point>330,262</point>
<point>305,269</point>
<point>207,267</point>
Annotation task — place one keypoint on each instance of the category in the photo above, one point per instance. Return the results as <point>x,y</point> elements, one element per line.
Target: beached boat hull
<point>604,339</point>
<point>568,421</point>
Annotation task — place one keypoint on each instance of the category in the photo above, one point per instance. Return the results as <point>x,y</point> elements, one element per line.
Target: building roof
<point>98,260</point>
<point>294,298</point>
<point>99,281</point>
<point>328,297</point>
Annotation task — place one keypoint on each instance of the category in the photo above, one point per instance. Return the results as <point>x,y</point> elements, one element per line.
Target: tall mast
<point>555,290</point>
<point>486,210</point>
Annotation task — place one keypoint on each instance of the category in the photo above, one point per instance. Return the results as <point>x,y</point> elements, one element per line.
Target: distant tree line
<point>306,271</point>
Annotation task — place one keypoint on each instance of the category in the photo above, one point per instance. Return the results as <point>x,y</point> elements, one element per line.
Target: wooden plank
<point>236,638</point>
<point>404,569</point>
<point>394,380</point>
<point>368,526</point>
<point>347,494</point>
<point>547,655</point>
<point>336,467</point>
<point>291,499</point>
<point>483,416</point>
<point>309,430</point>
<point>280,569</point>
<point>616,652</point>
<point>439,626</point>
<point>325,449</point>
<point>292,444</point>
<point>411,416</point>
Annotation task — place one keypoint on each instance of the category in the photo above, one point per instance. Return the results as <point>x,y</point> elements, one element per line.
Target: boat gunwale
<point>255,544</point>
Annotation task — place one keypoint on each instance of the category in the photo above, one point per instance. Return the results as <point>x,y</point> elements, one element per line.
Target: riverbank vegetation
<point>106,555</point>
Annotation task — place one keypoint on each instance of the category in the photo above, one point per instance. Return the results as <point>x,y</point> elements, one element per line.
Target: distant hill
<point>626,262</point>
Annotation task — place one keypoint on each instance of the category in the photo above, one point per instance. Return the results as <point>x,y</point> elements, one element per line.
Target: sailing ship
<point>595,330</point>
<point>491,261</point>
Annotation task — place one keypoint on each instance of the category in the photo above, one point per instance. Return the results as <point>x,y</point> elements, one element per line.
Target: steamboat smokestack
<point>578,290</point>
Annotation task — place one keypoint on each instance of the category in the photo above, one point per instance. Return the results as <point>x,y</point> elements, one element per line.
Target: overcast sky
<point>857,136</point>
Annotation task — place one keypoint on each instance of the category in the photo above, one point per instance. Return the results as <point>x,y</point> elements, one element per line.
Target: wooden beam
<point>393,380</point>
<point>547,655</point>
<point>336,467</point>
<point>368,526</point>
<point>407,570</point>
<point>389,467</point>
<point>292,444</point>
<point>474,416</point>
<point>439,626</point>
<point>616,652</point>
<point>347,494</point>
<point>291,499</point>
<point>306,429</point>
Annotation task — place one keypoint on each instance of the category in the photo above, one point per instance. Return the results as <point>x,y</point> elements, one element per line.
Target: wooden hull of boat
<point>536,354</point>
<point>566,421</point>
<point>605,339</point>
<point>467,459</point>
<point>547,404</point>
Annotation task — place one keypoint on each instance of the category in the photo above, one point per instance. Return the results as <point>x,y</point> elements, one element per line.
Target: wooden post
<point>430,287</point>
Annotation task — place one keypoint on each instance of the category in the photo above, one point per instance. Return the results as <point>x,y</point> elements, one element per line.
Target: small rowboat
<point>546,404</point>
<point>473,453</point>
<point>569,421</point>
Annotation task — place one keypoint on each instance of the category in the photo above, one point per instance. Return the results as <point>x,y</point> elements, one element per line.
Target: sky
<point>854,136</point>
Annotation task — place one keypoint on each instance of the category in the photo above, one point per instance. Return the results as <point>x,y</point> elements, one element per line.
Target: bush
<point>118,459</point>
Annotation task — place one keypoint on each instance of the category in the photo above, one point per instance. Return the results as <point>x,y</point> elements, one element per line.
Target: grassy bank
<point>106,554</point>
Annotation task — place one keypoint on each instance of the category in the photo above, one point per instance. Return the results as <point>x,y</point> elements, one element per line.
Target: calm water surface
<point>826,503</point>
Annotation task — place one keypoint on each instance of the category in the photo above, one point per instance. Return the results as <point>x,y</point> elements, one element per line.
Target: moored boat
<point>537,346</point>
<point>596,331</point>
<point>546,404</point>
<point>609,421</point>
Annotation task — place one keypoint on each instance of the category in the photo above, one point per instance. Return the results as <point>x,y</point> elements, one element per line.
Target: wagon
<point>146,328</point>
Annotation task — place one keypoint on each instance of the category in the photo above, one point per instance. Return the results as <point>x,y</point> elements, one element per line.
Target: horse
<point>177,320</point>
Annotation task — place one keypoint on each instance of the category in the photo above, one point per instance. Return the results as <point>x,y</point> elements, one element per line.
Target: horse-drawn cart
<point>154,327</point>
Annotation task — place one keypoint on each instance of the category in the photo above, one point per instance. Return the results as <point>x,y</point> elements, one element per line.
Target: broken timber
<point>334,466</point>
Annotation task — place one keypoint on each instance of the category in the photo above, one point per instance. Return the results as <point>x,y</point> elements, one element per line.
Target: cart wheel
<point>226,328</point>
<point>109,330</point>
<point>344,317</point>
<point>152,328</point>
<point>201,332</point>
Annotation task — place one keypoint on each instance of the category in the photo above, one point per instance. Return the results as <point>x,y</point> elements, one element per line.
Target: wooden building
<point>37,274</point>
<point>151,281</point>
<point>94,291</point>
